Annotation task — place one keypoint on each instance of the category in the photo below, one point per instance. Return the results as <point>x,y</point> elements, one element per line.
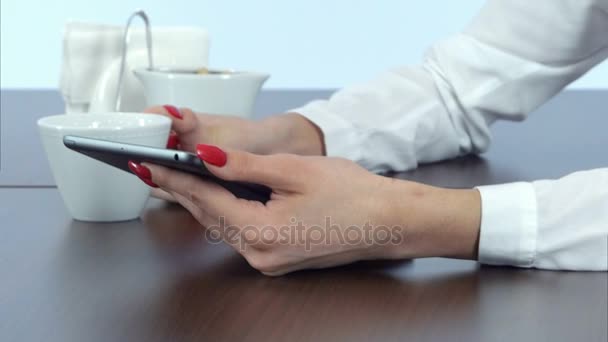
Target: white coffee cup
<point>92,190</point>
<point>228,92</point>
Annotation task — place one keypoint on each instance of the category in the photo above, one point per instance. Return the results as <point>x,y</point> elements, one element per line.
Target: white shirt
<point>513,57</point>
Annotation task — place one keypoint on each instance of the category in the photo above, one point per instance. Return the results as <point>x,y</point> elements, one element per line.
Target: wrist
<point>292,133</point>
<point>434,222</point>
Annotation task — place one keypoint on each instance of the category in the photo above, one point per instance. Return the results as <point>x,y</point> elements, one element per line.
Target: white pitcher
<point>92,59</point>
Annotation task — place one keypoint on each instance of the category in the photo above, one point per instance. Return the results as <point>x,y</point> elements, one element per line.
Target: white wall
<point>304,44</point>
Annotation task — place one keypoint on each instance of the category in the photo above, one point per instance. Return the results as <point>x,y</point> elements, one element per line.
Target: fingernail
<point>173,140</point>
<point>211,154</point>
<point>173,111</point>
<point>142,172</point>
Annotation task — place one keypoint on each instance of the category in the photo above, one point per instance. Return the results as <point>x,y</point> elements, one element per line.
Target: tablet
<point>119,154</point>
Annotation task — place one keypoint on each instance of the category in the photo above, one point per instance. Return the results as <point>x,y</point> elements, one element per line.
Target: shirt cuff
<point>509,224</point>
<point>340,136</point>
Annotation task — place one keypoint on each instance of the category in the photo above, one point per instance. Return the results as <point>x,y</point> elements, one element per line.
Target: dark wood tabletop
<point>157,279</point>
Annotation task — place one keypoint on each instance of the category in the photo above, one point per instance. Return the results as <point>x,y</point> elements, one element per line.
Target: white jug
<point>92,60</point>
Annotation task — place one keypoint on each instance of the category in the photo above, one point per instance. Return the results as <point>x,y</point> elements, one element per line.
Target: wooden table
<point>156,279</point>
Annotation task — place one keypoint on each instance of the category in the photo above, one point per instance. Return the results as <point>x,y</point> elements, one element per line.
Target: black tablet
<point>119,154</point>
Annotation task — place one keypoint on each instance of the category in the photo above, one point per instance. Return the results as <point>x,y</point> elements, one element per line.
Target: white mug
<point>218,92</point>
<point>92,190</point>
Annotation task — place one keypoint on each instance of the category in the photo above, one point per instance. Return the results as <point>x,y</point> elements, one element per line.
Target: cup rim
<point>157,125</point>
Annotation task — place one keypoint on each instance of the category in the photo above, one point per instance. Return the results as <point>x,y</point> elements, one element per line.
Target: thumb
<point>278,171</point>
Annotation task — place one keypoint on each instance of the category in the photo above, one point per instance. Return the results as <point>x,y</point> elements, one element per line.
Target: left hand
<point>323,211</point>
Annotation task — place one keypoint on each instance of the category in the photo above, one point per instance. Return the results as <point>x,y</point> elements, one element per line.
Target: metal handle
<point>125,44</point>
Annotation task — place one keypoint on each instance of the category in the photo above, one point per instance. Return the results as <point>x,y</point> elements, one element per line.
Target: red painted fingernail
<point>211,154</point>
<point>173,111</point>
<point>142,172</point>
<point>173,141</point>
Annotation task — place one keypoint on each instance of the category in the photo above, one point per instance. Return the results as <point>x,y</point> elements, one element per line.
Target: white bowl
<point>92,190</point>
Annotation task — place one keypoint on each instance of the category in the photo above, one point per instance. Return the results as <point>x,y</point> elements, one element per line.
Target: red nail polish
<point>211,154</point>
<point>173,111</point>
<point>142,172</point>
<point>173,141</point>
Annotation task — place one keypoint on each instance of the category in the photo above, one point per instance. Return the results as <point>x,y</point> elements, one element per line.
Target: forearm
<point>434,222</point>
<point>551,224</point>
<point>502,67</point>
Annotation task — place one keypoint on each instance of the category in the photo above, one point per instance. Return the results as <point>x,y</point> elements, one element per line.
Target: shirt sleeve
<point>548,224</point>
<point>511,58</point>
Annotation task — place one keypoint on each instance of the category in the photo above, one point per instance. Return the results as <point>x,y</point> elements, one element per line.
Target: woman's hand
<point>323,211</point>
<point>286,133</point>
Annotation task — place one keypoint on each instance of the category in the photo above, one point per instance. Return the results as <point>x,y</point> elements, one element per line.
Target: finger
<point>183,120</point>
<point>173,141</point>
<point>198,213</point>
<point>162,194</point>
<point>212,198</point>
<point>279,171</point>
<point>208,221</point>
